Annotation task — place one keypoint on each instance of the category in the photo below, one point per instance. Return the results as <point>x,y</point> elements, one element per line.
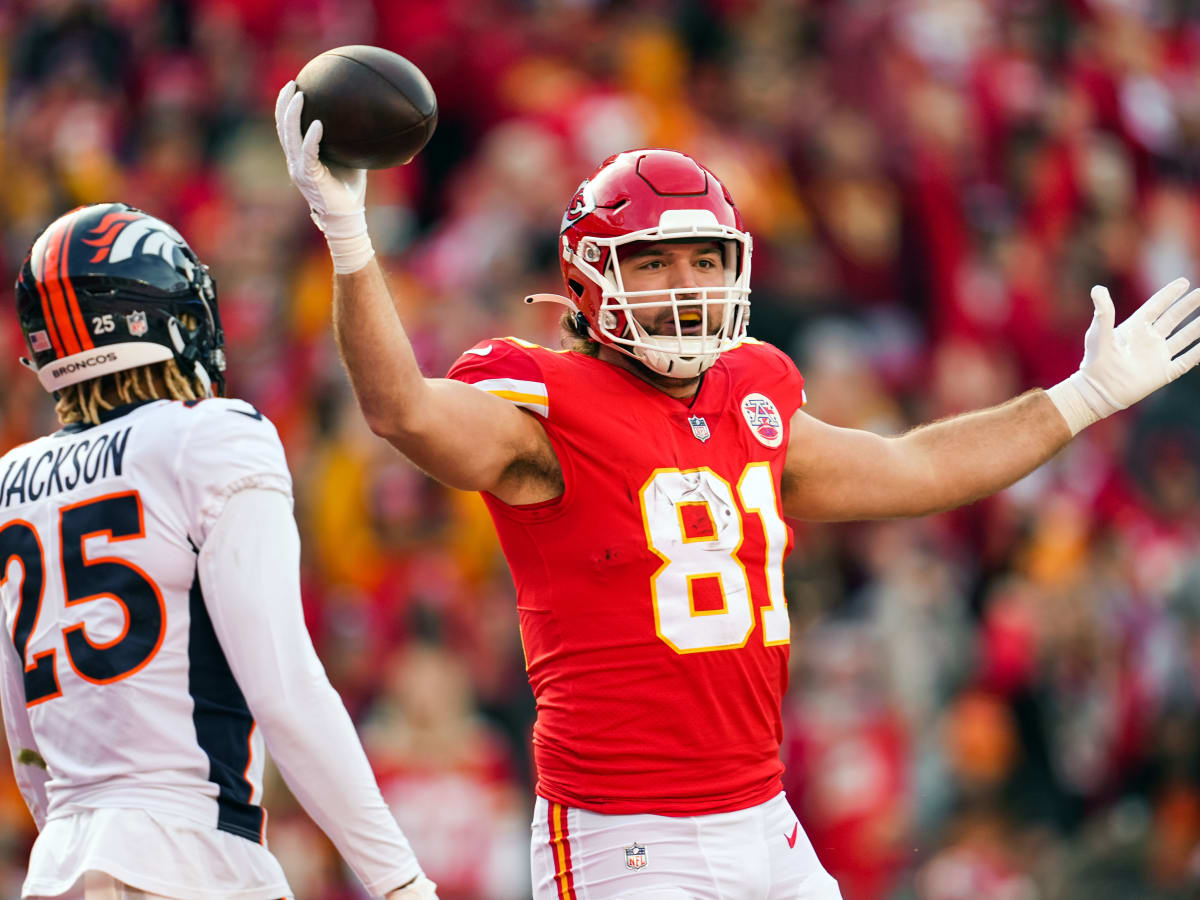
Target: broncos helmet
<point>108,287</point>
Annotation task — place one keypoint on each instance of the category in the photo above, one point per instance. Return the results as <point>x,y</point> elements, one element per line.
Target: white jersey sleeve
<point>230,447</point>
<point>249,571</point>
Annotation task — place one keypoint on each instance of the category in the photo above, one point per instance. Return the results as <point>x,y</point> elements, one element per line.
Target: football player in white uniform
<point>150,593</point>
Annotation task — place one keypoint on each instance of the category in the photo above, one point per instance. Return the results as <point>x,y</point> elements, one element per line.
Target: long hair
<point>83,402</point>
<point>577,338</point>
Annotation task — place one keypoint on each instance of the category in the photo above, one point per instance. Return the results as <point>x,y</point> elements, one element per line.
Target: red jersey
<point>651,592</point>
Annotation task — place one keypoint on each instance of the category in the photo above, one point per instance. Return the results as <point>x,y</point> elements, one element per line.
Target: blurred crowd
<point>999,703</point>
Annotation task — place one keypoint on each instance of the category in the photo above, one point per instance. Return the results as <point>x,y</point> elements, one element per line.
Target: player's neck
<point>678,388</point>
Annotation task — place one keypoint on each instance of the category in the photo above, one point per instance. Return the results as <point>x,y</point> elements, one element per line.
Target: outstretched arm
<point>461,436</point>
<point>839,474</point>
<point>843,474</point>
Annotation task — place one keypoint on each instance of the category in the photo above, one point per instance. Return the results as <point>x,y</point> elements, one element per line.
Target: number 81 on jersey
<point>711,552</point>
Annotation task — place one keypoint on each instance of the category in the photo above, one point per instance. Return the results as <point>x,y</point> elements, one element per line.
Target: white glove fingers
<point>310,150</point>
<point>281,105</point>
<point>1185,362</point>
<point>1170,319</point>
<point>291,123</point>
<point>1160,301</point>
<point>1186,336</point>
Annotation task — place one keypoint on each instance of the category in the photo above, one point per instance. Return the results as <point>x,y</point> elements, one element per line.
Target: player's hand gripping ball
<point>377,109</point>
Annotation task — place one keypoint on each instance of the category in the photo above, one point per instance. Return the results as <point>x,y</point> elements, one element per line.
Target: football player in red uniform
<point>639,483</point>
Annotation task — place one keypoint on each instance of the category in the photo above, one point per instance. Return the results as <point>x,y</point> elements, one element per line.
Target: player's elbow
<point>381,421</point>
<point>401,423</point>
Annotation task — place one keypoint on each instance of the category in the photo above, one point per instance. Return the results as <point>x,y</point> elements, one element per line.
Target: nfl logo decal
<point>763,418</point>
<point>635,856</point>
<point>39,342</point>
<point>137,323</point>
<point>699,428</point>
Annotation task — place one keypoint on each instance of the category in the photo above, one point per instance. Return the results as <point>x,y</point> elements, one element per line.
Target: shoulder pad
<point>507,368</point>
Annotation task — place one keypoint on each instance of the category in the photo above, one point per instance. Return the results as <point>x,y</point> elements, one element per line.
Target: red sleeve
<point>506,368</point>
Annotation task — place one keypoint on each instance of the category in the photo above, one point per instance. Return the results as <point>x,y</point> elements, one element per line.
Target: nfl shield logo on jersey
<point>635,856</point>
<point>699,428</point>
<point>136,321</point>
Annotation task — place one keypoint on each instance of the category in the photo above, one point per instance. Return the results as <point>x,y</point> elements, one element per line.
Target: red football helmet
<point>654,195</point>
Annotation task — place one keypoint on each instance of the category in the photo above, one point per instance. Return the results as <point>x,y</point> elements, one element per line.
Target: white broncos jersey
<point>128,693</point>
<point>117,693</point>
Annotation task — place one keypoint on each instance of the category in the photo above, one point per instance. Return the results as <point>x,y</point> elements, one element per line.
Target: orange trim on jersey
<point>249,760</point>
<point>141,533</point>
<point>560,846</point>
<point>52,278</point>
<point>52,652</point>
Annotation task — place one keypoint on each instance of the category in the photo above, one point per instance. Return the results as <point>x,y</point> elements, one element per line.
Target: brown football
<point>378,109</point>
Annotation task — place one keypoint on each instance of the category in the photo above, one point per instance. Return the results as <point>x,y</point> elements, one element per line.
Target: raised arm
<point>839,474</point>
<point>461,436</point>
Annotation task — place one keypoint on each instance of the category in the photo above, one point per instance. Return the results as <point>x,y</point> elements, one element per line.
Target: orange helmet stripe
<point>51,277</point>
<point>47,314</point>
<point>85,337</point>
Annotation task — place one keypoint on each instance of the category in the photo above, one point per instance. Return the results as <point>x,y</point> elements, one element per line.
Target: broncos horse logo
<point>120,235</point>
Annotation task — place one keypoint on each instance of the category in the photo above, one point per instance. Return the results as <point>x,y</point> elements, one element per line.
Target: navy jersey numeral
<point>117,517</point>
<point>19,540</point>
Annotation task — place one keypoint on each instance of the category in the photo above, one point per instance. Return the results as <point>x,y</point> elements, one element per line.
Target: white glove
<point>420,888</point>
<point>336,197</point>
<point>1122,365</point>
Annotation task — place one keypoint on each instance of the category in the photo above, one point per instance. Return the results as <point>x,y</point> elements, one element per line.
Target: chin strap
<point>188,353</point>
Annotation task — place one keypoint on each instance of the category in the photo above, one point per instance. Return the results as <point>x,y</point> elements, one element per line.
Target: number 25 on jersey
<point>696,528</point>
<point>116,517</point>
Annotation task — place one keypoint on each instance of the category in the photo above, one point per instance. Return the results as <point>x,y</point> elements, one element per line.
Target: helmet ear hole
<point>575,287</point>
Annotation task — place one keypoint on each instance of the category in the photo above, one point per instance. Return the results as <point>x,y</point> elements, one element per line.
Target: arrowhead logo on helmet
<point>581,204</point>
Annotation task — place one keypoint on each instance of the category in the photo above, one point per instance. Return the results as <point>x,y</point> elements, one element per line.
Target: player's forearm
<point>319,755</point>
<point>249,572</point>
<point>961,459</point>
<point>376,351</point>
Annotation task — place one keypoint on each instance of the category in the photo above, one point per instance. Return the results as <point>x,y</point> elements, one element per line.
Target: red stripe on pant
<point>560,846</point>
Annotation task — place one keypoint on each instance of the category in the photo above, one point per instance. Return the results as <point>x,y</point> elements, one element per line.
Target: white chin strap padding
<point>670,362</point>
